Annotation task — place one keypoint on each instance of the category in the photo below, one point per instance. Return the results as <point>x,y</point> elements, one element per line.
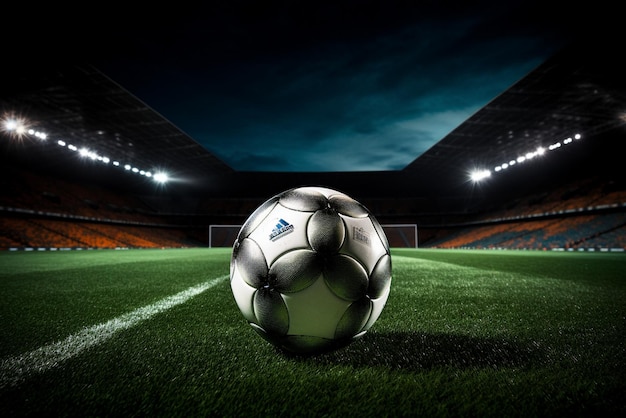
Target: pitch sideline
<point>14,370</point>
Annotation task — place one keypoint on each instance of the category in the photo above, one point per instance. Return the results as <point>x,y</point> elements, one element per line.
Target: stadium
<point>507,299</point>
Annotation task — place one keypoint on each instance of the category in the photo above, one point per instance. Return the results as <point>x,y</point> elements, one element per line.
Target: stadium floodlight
<point>479,175</point>
<point>84,152</point>
<point>10,125</point>
<point>37,134</point>
<point>15,126</point>
<point>161,177</point>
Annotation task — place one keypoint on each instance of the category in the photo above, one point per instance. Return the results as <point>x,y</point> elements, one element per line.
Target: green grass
<point>464,333</point>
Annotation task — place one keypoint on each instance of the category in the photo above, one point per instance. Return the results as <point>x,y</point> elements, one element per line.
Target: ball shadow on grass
<point>413,351</point>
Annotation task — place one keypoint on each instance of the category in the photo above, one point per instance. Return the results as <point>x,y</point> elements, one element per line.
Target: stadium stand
<point>578,216</point>
<point>41,212</point>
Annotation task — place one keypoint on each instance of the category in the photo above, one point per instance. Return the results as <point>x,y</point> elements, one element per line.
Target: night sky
<point>324,86</point>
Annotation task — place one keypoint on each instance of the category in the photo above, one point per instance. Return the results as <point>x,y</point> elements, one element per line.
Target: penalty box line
<point>14,370</point>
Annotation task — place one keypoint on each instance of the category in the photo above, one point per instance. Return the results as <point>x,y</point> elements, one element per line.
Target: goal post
<point>398,235</point>
<point>401,235</point>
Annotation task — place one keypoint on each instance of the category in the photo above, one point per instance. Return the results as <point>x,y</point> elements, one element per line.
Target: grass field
<point>464,333</point>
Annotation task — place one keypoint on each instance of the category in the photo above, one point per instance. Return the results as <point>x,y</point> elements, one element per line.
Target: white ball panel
<point>243,294</point>
<point>314,311</point>
<point>362,242</point>
<point>273,241</point>
<point>323,190</point>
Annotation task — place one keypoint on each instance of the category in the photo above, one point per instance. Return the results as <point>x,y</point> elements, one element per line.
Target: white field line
<point>14,370</point>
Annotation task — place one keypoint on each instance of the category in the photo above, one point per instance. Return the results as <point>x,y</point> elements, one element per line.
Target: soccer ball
<point>311,270</point>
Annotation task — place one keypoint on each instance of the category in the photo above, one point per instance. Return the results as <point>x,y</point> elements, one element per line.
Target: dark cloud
<point>337,86</point>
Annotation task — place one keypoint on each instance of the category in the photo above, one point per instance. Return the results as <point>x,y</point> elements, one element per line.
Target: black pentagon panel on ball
<point>295,270</point>
<point>250,262</point>
<point>345,277</point>
<point>303,200</point>
<point>348,206</point>
<point>326,231</point>
<point>354,319</point>
<point>271,311</point>
<point>257,218</point>
<point>380,278</point>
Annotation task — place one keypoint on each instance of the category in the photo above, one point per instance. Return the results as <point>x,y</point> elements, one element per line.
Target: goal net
<point>223,235</point>
<point>398,235</point>
<point>401,235</point>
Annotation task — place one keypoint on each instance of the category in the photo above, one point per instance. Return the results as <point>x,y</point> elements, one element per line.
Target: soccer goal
<point>223,235</point>
<point>401,235</point>
<point>398,235</point>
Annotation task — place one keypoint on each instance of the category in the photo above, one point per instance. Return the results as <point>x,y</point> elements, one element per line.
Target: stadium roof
<point>580,90</point>
<point>78,103</point>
